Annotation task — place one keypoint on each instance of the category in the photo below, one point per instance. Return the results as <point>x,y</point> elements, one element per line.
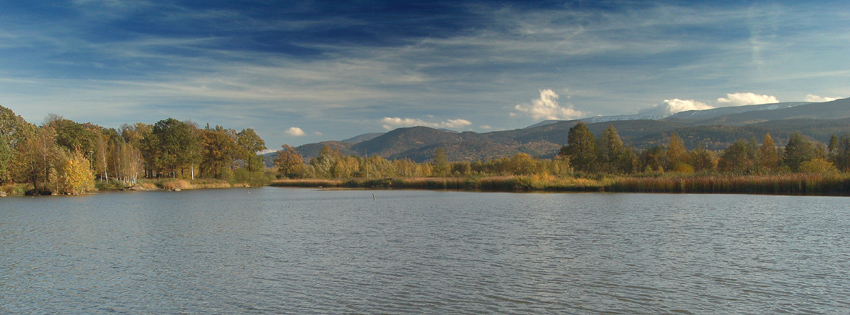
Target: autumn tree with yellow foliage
<point>77,176</point>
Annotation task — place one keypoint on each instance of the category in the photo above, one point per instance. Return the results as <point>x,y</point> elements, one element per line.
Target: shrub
<point>818,166</point>
<point>683,168</point>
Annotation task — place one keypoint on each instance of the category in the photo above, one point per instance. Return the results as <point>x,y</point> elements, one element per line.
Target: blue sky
<point>307,71</point>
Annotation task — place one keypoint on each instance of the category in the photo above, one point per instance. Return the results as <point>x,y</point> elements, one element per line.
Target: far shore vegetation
<point>64,157</point>
<point>603,163</point>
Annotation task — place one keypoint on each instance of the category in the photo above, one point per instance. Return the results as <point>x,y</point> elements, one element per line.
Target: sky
<point>308,71</point>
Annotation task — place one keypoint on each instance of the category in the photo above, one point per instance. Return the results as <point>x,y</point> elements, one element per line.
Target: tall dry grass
<point>307,183</point>
<point>176,184</point>
<point>787,184</point>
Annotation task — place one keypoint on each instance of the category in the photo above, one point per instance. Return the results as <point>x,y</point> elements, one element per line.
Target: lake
<point>308,251</point>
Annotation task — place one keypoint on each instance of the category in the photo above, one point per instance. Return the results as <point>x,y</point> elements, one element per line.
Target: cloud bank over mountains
<point>820,99</point>
<point>390,123</point>
<point>671,107</point>
<point>547,107</point>
<point>741,99</point>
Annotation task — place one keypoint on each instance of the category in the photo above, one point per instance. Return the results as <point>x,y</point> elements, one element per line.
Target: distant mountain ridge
<point>363,137</point>
<point>721,111</point>
<point>714,128</point>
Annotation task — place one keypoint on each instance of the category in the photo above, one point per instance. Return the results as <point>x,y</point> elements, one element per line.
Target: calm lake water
<point>304,251</point>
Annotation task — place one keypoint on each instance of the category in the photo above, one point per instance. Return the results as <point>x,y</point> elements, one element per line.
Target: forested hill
<point>715,130</point>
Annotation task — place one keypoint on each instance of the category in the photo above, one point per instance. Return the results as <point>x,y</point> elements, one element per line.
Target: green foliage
<point>841,153</point>
<point>172,147</point>
<point>833,144</point>
<point>653,159</point>
<point>248,143</point>
<point>218,151</point>
<point>251,178</point>
<point>610,144</point>
<point>71,135</point>
<point>798,150</point>
<point>768,154</point>
<point>818,166</point>
<point>738,158</point>
<point>676,152</point>
<point>701,159</point>
<point>615,157</point>
<point>6,155</point>
<point>441,164</point>
<point>324,163</point>
<point>581,149</point>
<point>524,164</point>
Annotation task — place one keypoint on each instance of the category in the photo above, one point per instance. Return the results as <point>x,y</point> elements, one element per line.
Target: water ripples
<point>341,252</point>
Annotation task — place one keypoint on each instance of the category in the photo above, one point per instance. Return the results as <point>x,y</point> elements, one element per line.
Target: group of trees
<point>587,153</point>
<point>330,164</point>
<point>608,154</point>
<point>63,156</point>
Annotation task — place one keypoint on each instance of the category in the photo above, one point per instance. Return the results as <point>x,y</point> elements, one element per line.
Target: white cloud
<point>395,122</point>
<point>740,99</point>
<point>295,132</point>
<point>547,107</point>
<point>670,107</point>
<point>819,99</point>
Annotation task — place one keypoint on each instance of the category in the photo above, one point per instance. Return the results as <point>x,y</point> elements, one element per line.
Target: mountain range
<point>713,128</point>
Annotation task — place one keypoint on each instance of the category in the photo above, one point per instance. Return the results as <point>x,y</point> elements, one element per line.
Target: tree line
<point>61,156</point>
<point>586,154</point>
<point>330,164</point>
<point>608,154</point>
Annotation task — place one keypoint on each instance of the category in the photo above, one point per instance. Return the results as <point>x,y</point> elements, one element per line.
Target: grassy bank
<point>182,184</point>
<point>791,184</point>
<point>141,185</point>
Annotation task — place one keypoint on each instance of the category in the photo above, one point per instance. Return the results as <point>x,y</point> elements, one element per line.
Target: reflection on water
<point>279,250</point>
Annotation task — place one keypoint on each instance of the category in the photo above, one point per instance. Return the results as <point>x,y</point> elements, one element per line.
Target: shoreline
<point>786,184</point>
<point>24,190</point>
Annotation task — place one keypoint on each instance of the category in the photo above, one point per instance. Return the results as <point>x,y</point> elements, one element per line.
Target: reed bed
<point>176,184</point>
<point>307,183</point>
<point>490,183</point>
<point>214,184</point>
<point>787,184</point>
